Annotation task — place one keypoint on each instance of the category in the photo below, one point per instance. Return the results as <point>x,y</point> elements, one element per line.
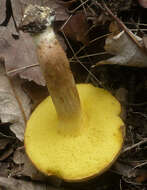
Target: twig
<point>140,165</point>
<point>98,38</point>
<point>135,145</point>
<point>93,55</point>
<point>78,7</point>
<point>21,69</point>
<point>94,77</point>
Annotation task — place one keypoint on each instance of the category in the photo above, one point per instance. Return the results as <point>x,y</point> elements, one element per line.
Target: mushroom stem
<point>57,73</point>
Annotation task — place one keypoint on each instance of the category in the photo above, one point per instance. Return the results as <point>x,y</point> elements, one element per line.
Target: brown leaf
<point>77,27</point>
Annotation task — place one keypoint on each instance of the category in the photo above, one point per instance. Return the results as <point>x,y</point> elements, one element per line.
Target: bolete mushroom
<point>76,132</point>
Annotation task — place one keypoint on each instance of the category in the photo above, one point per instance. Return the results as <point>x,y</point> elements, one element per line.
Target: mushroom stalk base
<point>58,76</point>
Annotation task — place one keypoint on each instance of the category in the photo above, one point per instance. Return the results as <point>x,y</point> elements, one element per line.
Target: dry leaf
<point>9,108</point>
<point>77,27</point>
<point>20,53</point>
<point>126,52</point>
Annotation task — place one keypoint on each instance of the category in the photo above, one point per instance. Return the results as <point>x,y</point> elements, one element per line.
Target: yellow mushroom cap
<point>76,157</point>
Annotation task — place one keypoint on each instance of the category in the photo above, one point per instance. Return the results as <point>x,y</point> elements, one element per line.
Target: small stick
<point>135,145</point>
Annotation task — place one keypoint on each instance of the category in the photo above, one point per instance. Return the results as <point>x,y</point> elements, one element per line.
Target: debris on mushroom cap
<point>36,19</point>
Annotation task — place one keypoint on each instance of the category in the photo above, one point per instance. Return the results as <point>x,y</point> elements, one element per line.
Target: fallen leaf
<point>126,52</point>
<point>77,27</point>
<point>10,110</point>
<point>19,55</point>
<point>13,184</point>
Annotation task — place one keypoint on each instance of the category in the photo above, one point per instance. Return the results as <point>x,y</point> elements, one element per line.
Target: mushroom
<point>76,132</point>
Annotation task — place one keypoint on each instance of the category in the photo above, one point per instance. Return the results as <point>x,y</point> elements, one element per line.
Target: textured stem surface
<point>58,76</point>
